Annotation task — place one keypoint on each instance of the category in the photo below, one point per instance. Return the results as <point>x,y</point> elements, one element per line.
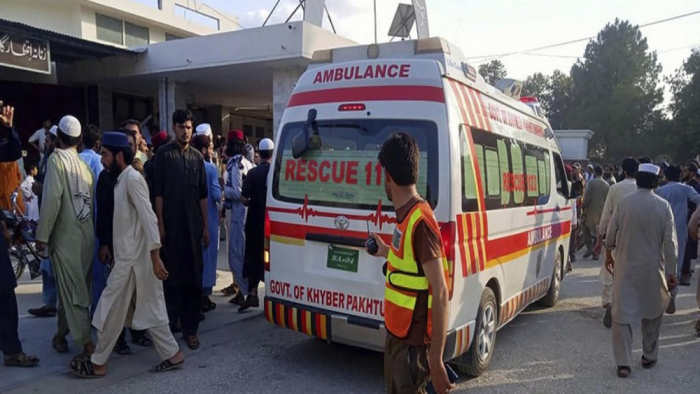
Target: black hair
<point>399,156</point>
<point>692,167</point>
<point>647,180</point>
<point>181,116</point>
<point>644,160</point>
<point>598,170</point>
<point>90,136</point>
<point>68,140</point>
<point>630,165</point>
<point>126,151</point>
<point>265,154</point>
<point>235,147</point>
<point>200,142</point>
<point>673,173</point>
<point>29,166</point>
<point>132,122</point>
<point>129,133</point>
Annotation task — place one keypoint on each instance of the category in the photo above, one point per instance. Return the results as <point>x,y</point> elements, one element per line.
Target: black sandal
<point>165,366</point>
<point>21,360</point>
<point>646,364</point>
<point>624,372</point>
<point>141,340</point>
<point>228,290</point>
<point>84,369</point>
<point>122,349</point>
<point>192,342</point>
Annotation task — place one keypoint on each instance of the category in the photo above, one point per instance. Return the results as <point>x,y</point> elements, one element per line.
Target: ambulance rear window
<point>346,172</point>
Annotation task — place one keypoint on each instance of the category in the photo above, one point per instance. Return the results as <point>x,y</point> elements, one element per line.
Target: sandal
<point>84,369</point>
<point>165,366</point>
<point>60,344</point>
<point>21,360</point>
<point>623,372</point>
<point>122,348</point>
<point>141,340</point>
<point>192,342</point>
<point>229,290</point>
<point>646,364</point>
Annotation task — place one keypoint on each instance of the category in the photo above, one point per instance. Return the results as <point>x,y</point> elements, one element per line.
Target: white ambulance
<point>489,167</point>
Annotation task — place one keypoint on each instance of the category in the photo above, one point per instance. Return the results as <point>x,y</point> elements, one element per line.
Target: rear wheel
<point>477,359</point>
<point>552,296</point>
<point>18,262</point>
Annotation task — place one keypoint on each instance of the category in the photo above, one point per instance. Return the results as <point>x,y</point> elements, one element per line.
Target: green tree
<point>684,136</point>
<point>554,94</point>
<point>536,85</point>
<point>493,71</point>
<point>614,92</point>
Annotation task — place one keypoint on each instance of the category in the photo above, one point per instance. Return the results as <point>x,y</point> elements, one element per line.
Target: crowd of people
<point>128,231</point>
<point>647,256</point>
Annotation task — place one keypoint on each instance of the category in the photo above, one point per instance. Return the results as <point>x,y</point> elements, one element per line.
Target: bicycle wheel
<point>19,262</point>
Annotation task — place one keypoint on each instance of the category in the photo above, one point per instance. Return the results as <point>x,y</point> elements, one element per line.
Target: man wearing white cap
<point>644,268</point>
<point>204,129</point>
<point>66,225</point>
<point>254,196</point>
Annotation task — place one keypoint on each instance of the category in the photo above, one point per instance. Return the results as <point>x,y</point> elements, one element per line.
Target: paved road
<point>560,350</point>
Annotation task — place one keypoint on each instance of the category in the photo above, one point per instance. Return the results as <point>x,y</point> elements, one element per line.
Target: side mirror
<point>576,190</point>
<point>302,141</point>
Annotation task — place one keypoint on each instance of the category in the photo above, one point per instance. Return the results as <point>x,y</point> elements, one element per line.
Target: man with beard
<point>181,207</point>
<point>134,292</point>
<point>608,175</point>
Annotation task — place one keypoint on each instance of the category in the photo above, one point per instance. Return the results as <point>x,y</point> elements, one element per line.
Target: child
<point>31,199</point>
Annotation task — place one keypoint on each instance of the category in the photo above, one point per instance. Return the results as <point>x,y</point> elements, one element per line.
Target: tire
<point>552,297</point>
<point>18,262</point>
<point>475,361</point>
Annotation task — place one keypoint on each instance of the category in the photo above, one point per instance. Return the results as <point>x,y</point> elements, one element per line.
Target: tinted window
<point>345,171</point>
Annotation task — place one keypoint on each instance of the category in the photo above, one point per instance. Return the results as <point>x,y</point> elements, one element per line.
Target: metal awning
<point>65,48</point>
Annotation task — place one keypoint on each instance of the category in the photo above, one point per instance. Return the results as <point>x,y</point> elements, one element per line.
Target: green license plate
<point>342,259</point>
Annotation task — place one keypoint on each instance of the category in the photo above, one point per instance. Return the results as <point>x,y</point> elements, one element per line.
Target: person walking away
<point>134,291</point>
<point>31,199</point>
<point>691,246</point>
<point>10,345</point>
<point>593,204</point>
<point>615,194</point>
<point>254,196</point>
<point>237,169</point>
<point>679,196</point>
<point>203,144</point>
<point>644,268</point>
<point>415,320</point>
<point>181,207</point>
<point>159,139</point>
<point>66,225</point>
<point>49,294</point>
<point>38,139</point>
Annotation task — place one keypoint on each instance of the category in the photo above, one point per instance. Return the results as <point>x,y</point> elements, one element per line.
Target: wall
<point>59,16</point>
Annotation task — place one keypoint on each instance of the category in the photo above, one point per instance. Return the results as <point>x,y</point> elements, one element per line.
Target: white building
<point>113,60</point>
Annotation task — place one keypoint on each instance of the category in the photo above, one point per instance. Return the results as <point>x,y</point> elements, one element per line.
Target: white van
<point>489,167</point>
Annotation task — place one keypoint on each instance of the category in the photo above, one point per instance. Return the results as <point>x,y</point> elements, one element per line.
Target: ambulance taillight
<point>266,244</point>
<point>448,234</point>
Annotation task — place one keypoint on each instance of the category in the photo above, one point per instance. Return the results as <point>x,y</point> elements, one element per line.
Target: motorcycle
<point>21,249</point>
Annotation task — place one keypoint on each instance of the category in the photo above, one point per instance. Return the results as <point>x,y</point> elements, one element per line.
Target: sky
<point>488,27</point>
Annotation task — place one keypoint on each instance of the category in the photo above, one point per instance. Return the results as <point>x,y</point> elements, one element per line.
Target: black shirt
<point>104,199</point>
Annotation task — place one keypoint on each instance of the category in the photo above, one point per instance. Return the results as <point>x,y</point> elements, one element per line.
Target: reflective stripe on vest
<point>403,281</point>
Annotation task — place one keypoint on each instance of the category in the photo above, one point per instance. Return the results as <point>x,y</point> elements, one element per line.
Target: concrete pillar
<point>283,82</point>
<point>170,98</point>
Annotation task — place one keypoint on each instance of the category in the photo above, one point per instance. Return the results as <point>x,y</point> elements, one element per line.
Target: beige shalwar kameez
<point>643,235</point>
<point>134,295</point>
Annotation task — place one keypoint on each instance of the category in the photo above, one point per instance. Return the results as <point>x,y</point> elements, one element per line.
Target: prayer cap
<point>159,138</point>
<point>204,129</point>
<point>70,126</point>
<point>54,130</point>
<point>649,168</point>
<point>266,144</point>
<point>235,135</point>
<point>112,139</point>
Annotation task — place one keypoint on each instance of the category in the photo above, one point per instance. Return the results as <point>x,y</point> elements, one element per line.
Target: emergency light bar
<point>431,45</point>
<point>322,56</point>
